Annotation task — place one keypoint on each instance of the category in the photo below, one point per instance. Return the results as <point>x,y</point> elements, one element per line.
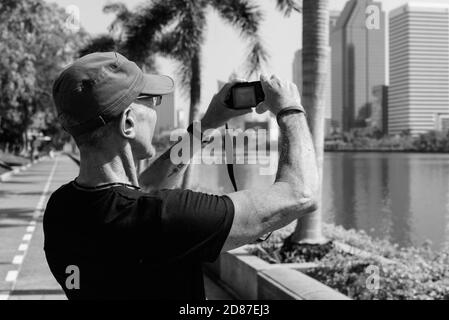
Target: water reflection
<point>401,197</point>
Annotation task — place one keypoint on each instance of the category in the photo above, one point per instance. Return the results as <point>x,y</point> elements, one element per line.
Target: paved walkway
<point>24,273</point>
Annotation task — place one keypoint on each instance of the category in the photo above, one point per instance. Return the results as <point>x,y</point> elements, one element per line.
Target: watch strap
<point>290,110</point>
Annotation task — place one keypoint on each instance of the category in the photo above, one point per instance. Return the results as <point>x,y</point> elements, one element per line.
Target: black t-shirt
<point>127,244</point>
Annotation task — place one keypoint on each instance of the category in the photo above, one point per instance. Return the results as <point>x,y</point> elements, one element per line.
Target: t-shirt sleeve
<point>195,224</point>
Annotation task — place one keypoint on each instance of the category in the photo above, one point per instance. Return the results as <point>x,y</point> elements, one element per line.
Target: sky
<point>224,51</point>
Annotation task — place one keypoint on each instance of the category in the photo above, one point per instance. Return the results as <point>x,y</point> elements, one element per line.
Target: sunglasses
<point>156,100</point>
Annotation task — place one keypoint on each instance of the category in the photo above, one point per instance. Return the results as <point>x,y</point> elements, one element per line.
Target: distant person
<point>123,243</point>
<point>33,151</point>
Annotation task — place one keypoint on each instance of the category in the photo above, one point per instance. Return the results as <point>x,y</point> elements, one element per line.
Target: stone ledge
<point>251,278</point>
<point>288,284</point>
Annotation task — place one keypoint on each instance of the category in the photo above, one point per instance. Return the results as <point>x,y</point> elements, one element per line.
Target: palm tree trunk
<point>316,53</point>
<point>195,98</point>
<point>195,87</point>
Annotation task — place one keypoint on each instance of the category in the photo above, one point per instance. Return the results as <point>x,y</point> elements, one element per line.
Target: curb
<point>251,278</point>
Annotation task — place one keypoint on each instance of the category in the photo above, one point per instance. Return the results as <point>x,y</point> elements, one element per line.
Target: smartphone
<point>246,95</point>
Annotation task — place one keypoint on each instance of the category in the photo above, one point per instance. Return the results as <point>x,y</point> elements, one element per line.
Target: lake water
<point>399,196</point>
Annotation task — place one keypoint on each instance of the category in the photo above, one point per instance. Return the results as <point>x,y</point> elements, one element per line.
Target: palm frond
<point>242,14</point>
<point>288,6</point>
<point>122,15</point>
<point>257,58</point>
<point>146,24</point>
<point>246,16</point>
<point>184,40</point>
<point>102,43</point>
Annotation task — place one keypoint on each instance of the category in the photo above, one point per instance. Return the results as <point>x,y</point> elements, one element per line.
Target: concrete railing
<point>250,278</point>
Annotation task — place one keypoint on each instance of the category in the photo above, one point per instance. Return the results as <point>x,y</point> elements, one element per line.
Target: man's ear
<point>128,124</point>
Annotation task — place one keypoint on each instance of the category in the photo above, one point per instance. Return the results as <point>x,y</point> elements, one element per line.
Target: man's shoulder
<point>62,191</point>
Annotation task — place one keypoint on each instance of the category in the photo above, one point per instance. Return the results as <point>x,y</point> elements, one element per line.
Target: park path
<point>24,273</point>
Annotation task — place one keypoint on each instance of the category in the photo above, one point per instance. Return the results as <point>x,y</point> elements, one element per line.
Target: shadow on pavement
<point>36,292</point>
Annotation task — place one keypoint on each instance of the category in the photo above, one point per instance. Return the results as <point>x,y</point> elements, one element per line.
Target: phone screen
<point>244,97</point>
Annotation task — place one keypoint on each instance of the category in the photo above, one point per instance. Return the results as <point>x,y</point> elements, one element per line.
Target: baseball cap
<point>100,86</point>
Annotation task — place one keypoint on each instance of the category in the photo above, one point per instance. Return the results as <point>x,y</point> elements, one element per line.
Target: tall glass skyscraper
<point>358,62</point>
<point>419,68</point>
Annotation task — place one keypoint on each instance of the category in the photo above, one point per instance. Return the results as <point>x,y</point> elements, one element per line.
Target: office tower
<point>297,73</point>
<point>358,62</point>
<point>419,68</point>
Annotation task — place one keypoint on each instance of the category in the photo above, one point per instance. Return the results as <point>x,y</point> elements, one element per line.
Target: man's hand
<point>218,113</point>
<point>278,95</point>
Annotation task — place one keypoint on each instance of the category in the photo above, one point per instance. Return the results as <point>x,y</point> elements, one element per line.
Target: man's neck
<point>99,167</point>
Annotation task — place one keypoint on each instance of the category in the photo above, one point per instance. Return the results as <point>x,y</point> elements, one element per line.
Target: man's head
<point>105,101</point>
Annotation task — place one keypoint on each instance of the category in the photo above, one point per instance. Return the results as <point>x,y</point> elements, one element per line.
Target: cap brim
<point>157,84</point>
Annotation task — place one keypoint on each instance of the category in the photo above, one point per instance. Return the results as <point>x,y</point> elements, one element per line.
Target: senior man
<point>107,239</point>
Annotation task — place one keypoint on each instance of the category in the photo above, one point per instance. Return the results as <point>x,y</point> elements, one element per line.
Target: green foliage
<point>432,141</point>
<point>102,43</point>
<point>176,29</point>
<point>35,45</point>
<point>372,139</point>
<point>288,6</point>
<point>414,273</point>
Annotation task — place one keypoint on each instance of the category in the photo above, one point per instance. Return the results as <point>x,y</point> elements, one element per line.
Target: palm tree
<point>122,17</point>
<point>115,40</point>
<point>176,28</point>
<point>316,54</point>
<point>101,43</point>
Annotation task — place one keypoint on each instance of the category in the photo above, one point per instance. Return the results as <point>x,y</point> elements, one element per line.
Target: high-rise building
<point>358,62</point>
<point>419,68</point>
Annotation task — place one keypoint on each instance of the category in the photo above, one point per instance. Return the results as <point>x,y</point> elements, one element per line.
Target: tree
<point>175,28</point>
<point>316,53</point>
<point>35,45</point>
<point>102,43</point>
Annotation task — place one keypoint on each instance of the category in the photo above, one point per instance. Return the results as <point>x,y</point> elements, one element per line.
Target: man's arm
<point>163,173</point>
<point>294,191</point>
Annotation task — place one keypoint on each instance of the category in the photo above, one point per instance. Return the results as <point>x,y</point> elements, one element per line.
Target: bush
<point>415,273</point>
<point>433,141</point>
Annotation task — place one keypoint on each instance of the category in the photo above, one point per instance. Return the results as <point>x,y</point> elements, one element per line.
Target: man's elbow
<point>303,198</point>
<point>312,206</point>
<point>310,194</point>
<point>307,202</point>
<point>307,199</point>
